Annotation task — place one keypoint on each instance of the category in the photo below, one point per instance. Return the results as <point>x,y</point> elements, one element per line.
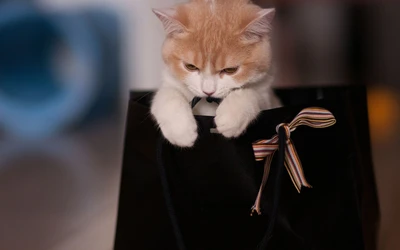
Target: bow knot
<point>265,149</point>
<point>286,127</point>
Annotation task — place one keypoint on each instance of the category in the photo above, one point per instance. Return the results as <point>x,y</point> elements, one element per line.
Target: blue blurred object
<point>51,70</point>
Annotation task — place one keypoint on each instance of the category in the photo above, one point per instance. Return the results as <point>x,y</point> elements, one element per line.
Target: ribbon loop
<point>265,149</point>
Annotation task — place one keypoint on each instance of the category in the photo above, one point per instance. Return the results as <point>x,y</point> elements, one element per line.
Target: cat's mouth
<point>222,95</point>
<point>216,95</point>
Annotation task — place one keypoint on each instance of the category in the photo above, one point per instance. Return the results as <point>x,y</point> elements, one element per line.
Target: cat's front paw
<point>233,117</point>
<point>180,131</point>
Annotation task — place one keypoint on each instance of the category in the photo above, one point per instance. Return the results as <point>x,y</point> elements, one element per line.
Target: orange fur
<point>213,37</point>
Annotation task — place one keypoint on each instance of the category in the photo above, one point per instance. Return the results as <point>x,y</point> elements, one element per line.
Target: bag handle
<point>196,100</point>
<point>275,202</point>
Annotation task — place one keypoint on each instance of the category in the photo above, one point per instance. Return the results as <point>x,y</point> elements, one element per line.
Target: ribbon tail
<point>297,186</point>
<point>267,167</point>
<point>295,167</point>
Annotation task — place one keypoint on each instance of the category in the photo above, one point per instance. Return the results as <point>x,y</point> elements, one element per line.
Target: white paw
<point>234,115</point>
<point>180,130</point>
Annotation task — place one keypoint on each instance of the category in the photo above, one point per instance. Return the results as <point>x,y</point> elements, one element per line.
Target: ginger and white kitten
<point>217,48</point>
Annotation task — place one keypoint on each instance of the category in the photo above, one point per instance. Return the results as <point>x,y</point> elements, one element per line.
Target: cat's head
<point>215,46</point>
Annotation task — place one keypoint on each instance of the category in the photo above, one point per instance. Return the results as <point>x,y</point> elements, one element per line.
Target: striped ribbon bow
<point>265,149</point>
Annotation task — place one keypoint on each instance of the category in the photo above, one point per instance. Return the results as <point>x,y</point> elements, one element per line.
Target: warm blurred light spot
<point>383,105</point>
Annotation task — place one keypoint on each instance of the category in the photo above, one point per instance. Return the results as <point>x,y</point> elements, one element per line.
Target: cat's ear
<point>260,26</point>
<point>171,24</point>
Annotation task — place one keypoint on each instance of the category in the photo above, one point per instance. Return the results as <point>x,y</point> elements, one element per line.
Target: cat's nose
<point>208,93</point>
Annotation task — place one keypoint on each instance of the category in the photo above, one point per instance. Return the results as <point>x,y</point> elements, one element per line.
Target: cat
<point>219,49</point>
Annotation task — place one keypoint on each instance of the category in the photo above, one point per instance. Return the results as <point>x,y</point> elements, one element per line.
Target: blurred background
<point>66,69</point>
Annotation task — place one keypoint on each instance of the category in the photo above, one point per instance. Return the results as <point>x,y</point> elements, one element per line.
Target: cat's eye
<point>191,67</point>
<point>230,71</point>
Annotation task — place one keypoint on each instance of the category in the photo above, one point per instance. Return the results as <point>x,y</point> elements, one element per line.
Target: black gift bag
<point>202,198</point>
